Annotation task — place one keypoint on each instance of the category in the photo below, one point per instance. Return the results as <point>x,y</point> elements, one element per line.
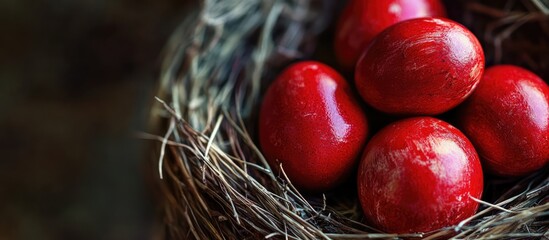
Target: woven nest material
<point>215,182</point>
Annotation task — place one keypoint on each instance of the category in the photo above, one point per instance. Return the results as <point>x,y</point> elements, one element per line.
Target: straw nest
<point>214,181</point>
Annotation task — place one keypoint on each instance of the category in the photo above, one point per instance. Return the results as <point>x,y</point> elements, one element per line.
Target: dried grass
<point>215,182</point>
<point>515,32</point>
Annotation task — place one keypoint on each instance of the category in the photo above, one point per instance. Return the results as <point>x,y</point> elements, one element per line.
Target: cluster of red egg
<point>419,173</point>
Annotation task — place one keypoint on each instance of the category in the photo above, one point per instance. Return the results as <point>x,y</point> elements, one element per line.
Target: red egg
<point>507,119</point>
<point>417,175</point>
<point>362,20</point>
<point>422,66</point>
<point>311,123</point>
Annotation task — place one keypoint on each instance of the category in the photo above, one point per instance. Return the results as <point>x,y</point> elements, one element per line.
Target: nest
<point>216,184</point>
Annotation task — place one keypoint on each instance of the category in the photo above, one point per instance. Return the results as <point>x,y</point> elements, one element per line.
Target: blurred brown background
<point>76,81</point>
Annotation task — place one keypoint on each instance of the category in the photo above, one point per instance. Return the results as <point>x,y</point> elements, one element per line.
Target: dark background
<point>76,81</point>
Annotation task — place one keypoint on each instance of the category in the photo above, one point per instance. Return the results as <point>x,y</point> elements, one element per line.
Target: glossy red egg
<point>423,66</point>
<point>312,124</point>
<point>416,175</point>
<point>362,20</point>
<point>507,119</point>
